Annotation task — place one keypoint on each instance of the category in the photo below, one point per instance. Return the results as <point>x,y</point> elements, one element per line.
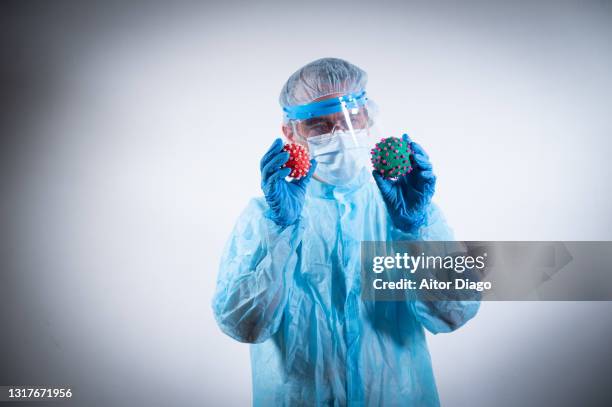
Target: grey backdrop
<point>131,137</point>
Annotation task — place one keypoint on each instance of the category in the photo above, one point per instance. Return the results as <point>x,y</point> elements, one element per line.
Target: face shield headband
<point>343,103</point>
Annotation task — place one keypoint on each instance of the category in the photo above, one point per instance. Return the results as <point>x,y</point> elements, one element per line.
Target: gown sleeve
<point>252,282</point>
<point>442,315</point>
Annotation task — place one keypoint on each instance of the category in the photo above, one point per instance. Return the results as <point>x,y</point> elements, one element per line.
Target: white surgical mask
<point>341,156</point>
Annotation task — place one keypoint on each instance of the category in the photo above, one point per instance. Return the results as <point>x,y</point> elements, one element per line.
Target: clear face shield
<point>338,132</point>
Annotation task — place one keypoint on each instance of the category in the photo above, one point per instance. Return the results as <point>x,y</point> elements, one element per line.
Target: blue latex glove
<point>407,198</point>
<point>285,198</point>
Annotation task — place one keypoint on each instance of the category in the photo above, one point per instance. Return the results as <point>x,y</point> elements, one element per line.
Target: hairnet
<point>320,78</point>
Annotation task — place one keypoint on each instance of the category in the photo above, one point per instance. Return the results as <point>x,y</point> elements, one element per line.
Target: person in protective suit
<point>289,281</point>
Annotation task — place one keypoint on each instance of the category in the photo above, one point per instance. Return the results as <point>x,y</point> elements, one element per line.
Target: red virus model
<point>299,161</point>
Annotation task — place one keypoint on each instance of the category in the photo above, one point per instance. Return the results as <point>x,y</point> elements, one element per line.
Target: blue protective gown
<point>294,293</point>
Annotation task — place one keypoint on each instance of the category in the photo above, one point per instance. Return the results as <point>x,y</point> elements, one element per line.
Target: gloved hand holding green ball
<point>404,175</point>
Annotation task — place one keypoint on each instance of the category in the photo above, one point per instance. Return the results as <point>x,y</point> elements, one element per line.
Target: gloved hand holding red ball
<point>285,198</point>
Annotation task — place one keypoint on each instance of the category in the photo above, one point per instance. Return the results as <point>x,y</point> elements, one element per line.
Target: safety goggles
<point>347,113</point>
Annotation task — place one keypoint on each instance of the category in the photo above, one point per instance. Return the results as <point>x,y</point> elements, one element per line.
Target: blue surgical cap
<point>320,78</point>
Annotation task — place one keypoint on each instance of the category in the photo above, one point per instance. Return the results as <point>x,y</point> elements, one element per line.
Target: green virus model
<point>391,157</point>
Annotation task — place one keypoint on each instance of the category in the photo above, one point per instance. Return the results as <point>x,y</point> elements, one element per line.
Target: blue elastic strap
<point>324,107</point>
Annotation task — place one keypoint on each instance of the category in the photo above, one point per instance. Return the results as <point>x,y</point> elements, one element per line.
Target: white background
<point>136,168</point>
